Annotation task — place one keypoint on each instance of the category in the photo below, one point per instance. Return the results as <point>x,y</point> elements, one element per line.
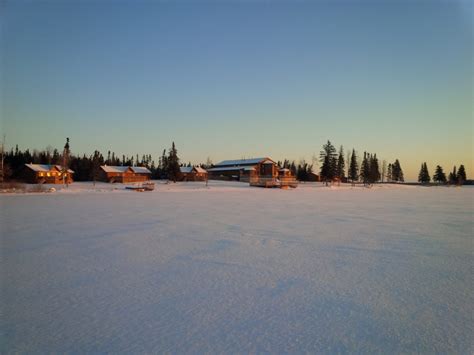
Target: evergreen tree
<point>461,175</point>
<point>292,168</point>
<point>96,160</point>
<point>65,161</point>
<point>365,170</point>
<point>353,168</point>
<point>389,172</point>
<point>56,158</point>
<point>329,162</point>
<point>397,172</point>
<point>439,175</point>
<point>374,172</point>
<point>174,171</point>
<point>453,176</point>
<point>340,167</point>
<point>424,176</point>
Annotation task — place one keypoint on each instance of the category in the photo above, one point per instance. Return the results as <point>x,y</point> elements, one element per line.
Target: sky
<point>235,79</point>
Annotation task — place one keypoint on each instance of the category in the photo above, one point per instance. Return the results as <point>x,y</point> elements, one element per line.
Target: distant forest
<point>335,166</point>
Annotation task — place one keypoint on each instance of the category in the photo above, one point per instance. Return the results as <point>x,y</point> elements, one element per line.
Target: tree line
<point>455,177</point>
<point>366,169</point>
<point>87,167</point>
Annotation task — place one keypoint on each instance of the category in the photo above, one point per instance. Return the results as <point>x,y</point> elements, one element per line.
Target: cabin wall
<point>127,177</point>
<point>51,177</point>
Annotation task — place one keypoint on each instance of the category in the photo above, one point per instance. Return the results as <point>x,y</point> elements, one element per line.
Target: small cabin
<point>124,174</point>
<point>193,173</point>
<point>46,174</point>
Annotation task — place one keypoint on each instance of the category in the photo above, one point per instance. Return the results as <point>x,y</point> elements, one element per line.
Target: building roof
<point>46,168</point>
<point>227,168</point>
<point>140,170</point>
<point>122,169</point>
<point>114,169</point>
<point>242,162</point>
<point>200,170</point>
<point>189,169</point>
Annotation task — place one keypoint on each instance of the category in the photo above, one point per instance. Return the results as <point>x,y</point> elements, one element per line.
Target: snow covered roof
<point>227,168</point>
<point>46,168</point>
<point>114,169</point>
<point>122,169</point>
<point>140,170</point>
<point>200,170</point>
<point>240,162</point>
<point>186,169</point>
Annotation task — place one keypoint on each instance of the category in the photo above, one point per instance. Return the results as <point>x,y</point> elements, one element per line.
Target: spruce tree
<point>453,176</point>
<point>329,162</point>
<point>96,160</point>
<point>397,172</point>
<point>65,162</point>
<point>439,175</point>
<point>389,173</point>
<point>353,168</point>
<point>424,176</point>
<point>374,172</point>
<point>340,168</point>
<point>365,170</point>
<point>461,175</point>
<point>174,171</point>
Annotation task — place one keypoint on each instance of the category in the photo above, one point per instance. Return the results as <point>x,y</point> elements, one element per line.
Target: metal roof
<point>240,162</point>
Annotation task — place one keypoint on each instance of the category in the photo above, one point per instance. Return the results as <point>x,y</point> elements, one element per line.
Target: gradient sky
<point>233,79</point>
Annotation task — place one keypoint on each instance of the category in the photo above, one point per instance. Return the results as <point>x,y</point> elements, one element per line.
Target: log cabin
<point>124,174</point>
<point>46,174</point>
<point>263,172</point>
<point>243,169</point>
<point>193,173</point>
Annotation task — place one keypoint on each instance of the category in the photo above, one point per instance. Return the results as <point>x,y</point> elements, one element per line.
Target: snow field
<point>229,268</point>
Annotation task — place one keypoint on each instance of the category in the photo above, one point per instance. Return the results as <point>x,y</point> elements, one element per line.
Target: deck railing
<point>286,181</point>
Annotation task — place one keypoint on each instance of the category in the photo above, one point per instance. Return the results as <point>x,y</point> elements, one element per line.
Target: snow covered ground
<point>230,268</point>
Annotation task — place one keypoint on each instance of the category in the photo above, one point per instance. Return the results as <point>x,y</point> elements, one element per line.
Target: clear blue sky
<point>232,79</point>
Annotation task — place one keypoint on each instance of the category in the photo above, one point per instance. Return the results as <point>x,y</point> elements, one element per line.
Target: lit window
<point>48,174</point>
<point>40,174</point>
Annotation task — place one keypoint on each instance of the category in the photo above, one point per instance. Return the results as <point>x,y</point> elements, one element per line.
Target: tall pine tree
<point>353,168</point>
<point>65,162</point>
<point>461,175</point>
<point>365,170</point>
<point>340,167</point>
<point>329,161</point>
<point>424,175</point>
<point>174,171</point>
<point>439,175</point>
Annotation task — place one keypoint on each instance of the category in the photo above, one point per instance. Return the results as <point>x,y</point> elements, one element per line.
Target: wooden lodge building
<point>256,171</point>
<point>46,174</point>
<point>124,174</point>
<point>193,173</point>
